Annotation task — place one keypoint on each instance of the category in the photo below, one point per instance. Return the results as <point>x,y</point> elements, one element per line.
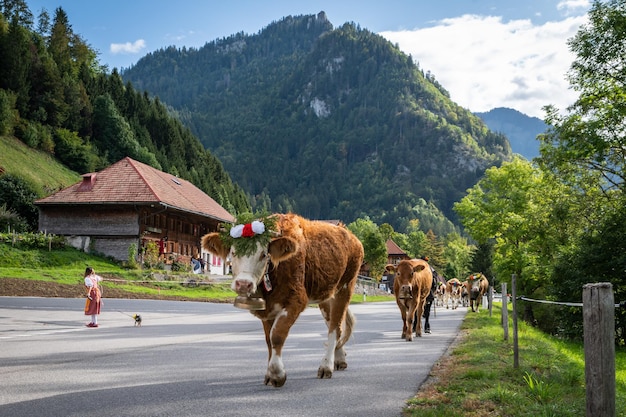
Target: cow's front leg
<point>420,313</point>
<point>275,374</point>
<point>275,335</point>
<point>403,314</point>
<point>409,322</point>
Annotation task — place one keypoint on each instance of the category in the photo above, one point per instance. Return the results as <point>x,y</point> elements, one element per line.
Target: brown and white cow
<point>440,294</point>
<point>464,294</point>
<point>304,262</point>
<point>453,290</point>
<point>477,286</point>
<point>412,283</point>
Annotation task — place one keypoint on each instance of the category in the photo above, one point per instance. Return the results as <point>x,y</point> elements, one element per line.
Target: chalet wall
<point>110,230</point>
<point>114,247</point>
<point>89,221</point>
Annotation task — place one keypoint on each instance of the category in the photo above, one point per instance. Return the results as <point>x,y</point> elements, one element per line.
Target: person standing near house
<point>196,266</point>
<point>162,247</point>
<point>94,296</point>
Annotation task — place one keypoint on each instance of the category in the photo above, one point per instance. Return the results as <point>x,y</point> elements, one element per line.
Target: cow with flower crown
<point>280,264</point>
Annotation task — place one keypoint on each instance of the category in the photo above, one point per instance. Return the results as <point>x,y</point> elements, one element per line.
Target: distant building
<point>131,202</point>
<point>394,253</point>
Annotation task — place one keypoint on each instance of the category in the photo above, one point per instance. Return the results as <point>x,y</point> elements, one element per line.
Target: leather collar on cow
<point>267,283</point>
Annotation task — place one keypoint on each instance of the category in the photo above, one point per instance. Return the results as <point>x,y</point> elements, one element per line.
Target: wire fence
<point>562,303</point>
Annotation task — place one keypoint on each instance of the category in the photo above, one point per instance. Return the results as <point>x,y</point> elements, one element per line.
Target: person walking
<point>94,296</point>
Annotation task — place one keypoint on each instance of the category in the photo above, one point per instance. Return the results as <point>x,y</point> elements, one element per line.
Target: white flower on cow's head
<point>236,231</point>
<point>258,227</point>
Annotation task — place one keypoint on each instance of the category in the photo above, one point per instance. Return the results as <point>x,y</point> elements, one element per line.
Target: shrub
<point>33,240</point>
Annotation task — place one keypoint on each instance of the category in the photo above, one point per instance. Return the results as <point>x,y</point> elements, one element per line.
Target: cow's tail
<point>348,325</point>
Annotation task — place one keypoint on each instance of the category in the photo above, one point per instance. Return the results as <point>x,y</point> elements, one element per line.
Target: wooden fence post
<point>515,340</point>
<point>599,340</point>
<point>505,312</point>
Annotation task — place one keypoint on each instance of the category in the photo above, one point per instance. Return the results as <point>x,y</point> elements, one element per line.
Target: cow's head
<point>251,248</point>
<point>404,277</point>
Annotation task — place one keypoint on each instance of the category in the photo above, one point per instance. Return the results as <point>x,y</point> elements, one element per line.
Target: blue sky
<point>486,53</point>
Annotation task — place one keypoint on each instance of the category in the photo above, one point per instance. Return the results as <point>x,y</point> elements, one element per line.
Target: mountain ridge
<point>519,128</point>
<point>311,110</point>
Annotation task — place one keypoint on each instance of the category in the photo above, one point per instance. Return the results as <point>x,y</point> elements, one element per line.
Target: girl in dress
<point>94,296</point>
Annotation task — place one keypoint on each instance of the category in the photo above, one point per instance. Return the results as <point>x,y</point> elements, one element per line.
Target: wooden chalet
<point>131,202</point>
<point>394,253</point>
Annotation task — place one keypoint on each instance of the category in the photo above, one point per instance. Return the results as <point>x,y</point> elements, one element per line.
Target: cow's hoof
<point>427,331</point>
<point>340,366</point>
<point>275,382</point>
<point>324,373</point>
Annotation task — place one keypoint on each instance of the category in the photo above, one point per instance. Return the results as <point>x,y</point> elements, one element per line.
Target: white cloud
<point>128,47</point>
<point>485,63</point>
<point>573,6</point>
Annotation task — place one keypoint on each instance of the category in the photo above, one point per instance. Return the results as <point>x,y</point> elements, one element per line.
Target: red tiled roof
<point>393,248</point>
<point>132,182</point>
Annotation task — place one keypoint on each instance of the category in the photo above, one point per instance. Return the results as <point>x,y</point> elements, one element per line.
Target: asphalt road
<point>202,359</point>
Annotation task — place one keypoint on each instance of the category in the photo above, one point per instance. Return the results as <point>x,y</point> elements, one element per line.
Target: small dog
<point>137,318</point>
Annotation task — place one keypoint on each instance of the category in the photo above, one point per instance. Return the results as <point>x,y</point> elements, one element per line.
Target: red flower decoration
<point>247,230</point>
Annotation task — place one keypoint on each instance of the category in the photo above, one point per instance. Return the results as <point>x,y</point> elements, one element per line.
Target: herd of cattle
<point>454,293</point>
<point>303,261</point>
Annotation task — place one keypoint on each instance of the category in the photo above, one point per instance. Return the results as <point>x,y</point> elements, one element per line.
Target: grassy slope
<point>62,270</point>
<point>66,267</point>
<point>39,168</point>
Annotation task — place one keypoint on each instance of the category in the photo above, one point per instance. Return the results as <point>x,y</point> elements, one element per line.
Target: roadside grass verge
<point>478,378</point>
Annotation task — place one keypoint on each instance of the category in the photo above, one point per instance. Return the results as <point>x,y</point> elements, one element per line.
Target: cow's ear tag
<point>267,283</point>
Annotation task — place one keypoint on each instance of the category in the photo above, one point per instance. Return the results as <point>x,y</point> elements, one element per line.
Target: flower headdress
<point>248,229</point>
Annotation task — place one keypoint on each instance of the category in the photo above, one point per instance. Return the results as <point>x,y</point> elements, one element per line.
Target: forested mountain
<point>328,122</point>
<point>55,97</point>
<point>520,129</point>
